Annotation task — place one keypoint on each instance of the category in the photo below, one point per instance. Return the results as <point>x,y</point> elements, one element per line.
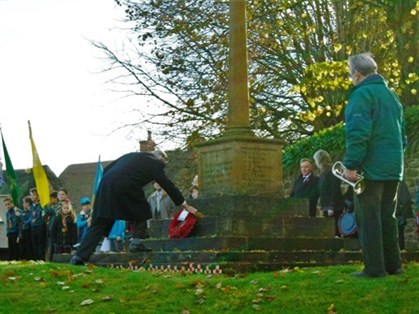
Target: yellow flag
<point>41,180</point>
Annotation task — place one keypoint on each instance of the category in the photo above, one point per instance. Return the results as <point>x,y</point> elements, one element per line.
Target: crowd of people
<point>36,233</point>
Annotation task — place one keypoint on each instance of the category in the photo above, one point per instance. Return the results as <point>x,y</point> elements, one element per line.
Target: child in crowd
<point>51,211</point>
<point>13,216</point>
<point>117,236</point>
<point>38,228</point>
<point>84,218</point>
<point>64,230</point>
<point>25,238</point>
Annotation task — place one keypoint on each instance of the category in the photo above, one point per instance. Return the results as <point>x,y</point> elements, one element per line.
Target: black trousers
<point>38,242</point>
<point>13,246</point>
<point>25,245</point>
<point>377,227</point>
<point>101,227</point>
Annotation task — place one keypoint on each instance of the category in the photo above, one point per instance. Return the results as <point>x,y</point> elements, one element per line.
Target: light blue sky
<point>47,76</point>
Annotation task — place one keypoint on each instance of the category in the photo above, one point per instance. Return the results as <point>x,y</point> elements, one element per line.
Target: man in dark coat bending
<point>120,196</point>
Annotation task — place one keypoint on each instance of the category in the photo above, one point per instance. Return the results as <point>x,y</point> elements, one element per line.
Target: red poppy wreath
<point>180,228</point>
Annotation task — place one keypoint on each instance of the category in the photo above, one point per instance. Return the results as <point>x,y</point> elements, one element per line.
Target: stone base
<point>240,165</point>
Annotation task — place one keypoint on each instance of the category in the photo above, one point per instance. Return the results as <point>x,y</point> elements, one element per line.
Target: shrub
<point>333,141</point>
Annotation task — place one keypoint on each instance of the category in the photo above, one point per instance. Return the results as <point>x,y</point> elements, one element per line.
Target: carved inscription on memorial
<point>259,169</point>
<point>216,167</point>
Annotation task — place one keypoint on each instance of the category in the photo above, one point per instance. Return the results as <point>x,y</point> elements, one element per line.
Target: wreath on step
<point>179,229</point>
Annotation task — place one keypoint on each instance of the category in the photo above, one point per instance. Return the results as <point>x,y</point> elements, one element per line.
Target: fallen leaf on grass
<point>284,287</point>
<point>340,281</point>
<point>199,292</point>
<point>270,298</point>
<point>185,311</point>
<point>257,307</point>
<point>253,282</point>
<point>107,298</point>
<point>54,274</point>
<point>87,302</point>
<point>331,309</point>
<point>264,289</point>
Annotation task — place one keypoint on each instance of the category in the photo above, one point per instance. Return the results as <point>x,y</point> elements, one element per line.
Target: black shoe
<point>396,272</point>
<point>362,274</point>
<point>133,248</point>
<point>75,260</point>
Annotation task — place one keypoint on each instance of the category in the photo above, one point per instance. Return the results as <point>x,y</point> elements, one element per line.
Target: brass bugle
<point>338,169</point>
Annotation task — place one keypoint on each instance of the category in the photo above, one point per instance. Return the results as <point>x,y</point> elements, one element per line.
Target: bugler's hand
<point>351,175</point>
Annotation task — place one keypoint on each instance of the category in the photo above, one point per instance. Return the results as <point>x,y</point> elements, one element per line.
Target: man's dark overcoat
<point>120,194</point>
<point>307,189</point>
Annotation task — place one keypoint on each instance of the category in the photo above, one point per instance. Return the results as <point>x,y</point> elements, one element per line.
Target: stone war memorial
<point>249,224</point>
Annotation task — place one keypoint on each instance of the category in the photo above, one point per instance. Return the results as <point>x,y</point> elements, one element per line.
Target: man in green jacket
<point>375,143</point>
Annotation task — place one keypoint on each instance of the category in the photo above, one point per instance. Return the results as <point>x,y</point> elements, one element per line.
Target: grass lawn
<point>34,287</point>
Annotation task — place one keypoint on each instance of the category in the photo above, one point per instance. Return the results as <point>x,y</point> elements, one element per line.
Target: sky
<point>50,75</point>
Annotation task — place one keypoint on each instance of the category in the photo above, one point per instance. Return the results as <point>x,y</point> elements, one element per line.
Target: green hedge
<point>333,141</point>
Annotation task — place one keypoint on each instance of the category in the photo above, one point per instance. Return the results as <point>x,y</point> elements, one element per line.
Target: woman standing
<point>331,198</point>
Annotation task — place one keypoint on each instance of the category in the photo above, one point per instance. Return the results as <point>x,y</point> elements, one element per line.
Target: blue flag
<point>98,177</point>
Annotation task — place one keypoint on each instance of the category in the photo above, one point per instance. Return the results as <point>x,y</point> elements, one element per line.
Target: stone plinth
<point>240,165</point>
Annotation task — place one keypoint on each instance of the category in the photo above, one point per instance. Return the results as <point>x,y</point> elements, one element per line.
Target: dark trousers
<point>25,245</point>
<point>13,246</point>
<point>401,237</point>
<point>38,242</point>
<point>101,227</point>
<point>377,227</point>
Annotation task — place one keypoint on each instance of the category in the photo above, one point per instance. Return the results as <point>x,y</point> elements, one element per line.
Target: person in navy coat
<point>120,196</point>
<point>307,186</point>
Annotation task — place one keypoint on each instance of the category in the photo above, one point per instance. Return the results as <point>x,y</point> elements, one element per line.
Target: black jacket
<point>330,191</point>
<point>120,194</point>
<point>64,238</point>
<point>308,189</point>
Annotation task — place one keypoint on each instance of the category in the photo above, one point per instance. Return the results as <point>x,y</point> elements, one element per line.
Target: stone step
<point>281,226</point>
<point>233,261</point>
<point>242,243</point>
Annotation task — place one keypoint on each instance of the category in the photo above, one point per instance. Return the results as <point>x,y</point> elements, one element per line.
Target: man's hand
<point>351,175</point>
<point>190,208</point>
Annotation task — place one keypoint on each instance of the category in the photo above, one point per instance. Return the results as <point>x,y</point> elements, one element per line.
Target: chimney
<point>148,145</point>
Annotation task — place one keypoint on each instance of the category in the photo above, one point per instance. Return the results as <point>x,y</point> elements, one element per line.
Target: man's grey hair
<point>160,154</point>
<point>362,63</point>
<point>322,159</point>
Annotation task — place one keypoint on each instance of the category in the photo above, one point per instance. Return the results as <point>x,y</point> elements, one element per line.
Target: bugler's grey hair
<point>362,63</point>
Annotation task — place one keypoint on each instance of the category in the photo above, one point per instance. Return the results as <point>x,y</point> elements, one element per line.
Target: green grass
<point>29,287</point>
